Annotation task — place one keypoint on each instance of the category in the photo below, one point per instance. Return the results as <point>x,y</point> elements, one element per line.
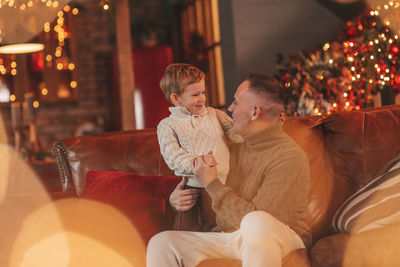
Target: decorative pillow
<point>374,206</point>
<point>141,198</point>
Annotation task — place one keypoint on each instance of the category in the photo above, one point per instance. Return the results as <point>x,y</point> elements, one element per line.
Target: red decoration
<point>37,61</point>
<point>394,49</point>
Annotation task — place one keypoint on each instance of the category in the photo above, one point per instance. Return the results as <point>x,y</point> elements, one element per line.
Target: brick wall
<point>93,42</point>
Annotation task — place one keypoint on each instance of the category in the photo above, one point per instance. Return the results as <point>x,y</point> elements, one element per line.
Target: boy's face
<point>193,98</point>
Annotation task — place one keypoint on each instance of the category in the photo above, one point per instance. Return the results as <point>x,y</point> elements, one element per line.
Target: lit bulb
<point>67,8</point>
<point>353,68</point>
<point>60,66</point>
<point>45,91</point>
<point>347,104</point>
<point>75,11</point>
<point>106,7</point>
<point>334,105</point>
<point>330,61</point>
<point>12,98</point>
<point>345,94</point>
<point>71,66</point>
<point>73,84</point>
<point>35,104</point>
<point>371,57</point>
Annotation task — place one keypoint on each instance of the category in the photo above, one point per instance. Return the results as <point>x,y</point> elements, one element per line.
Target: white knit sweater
<point>183,136</point>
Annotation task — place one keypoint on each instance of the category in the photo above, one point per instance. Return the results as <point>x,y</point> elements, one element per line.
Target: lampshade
<point>21,48</point>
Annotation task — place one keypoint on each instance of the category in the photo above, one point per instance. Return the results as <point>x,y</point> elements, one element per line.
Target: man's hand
<point>205,169</point>
<point>183,199</point>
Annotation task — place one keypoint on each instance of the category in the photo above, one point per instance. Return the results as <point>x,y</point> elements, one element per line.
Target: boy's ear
<point>174,98</point>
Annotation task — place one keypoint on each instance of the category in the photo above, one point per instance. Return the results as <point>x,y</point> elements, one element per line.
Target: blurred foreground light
<point>21,48</point>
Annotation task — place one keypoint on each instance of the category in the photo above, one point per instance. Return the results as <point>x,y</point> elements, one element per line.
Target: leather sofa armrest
<point>378,247</point>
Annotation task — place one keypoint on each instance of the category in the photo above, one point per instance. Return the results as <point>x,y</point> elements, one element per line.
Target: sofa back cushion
<point>134,151</point>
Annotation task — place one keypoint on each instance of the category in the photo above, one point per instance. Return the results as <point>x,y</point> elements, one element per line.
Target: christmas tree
<point>352,71</point>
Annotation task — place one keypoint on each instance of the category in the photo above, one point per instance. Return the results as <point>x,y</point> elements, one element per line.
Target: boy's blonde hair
<point>177,77</point>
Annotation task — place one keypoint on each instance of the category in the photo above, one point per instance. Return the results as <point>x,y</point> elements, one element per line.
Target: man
<point>261,209</point>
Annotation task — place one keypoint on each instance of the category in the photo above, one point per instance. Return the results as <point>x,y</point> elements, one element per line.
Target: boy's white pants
<point>262,240</point>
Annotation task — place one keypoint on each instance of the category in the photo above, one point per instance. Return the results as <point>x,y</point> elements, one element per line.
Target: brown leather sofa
<point>346,151</point>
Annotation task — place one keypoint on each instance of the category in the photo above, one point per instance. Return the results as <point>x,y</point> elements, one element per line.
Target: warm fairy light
<point>390,40</point>
<point>75,11</point>
<point>12,98</point>
<point>396,37</point>
<point>351,44</point>
<point>326,47</point>
<point>358,76</point>
<point>49,3</point>
<point>13,64</point>
<point>382,76</point>
<point>387,79</point>
<point>387,70</point>
<point>49,57</point>
<point>347,104</point>
<point>45,91</point>
<point>390,56</point>
<point>372,57</point>
<point>345,94</point>
<point>55,4</point>
<point>353,78</point>
<point>376,12</point>
<point>106,7</point>
<point>387,23</point>
<point>330,61</point>
<point>60,66</point>
<point>383,83</point>
<point>353,68</point>
<point>350,59</point>
<point>376,41</point>
<point>73,84</point>
<point>372,13</point>
<point>3,71</point>
<point>334,105</point>
<point>60,14</point>
<point>14,72</point>
<point>35,104</point>
<point>67,8</point>
<point>371,43</point>
<point>378,69</point>
<point>71,66</point>
<point>370,81</point>
<point>23,7</point>
<point>391,3</point>
<point>30,3</point>
<point>379,50</point>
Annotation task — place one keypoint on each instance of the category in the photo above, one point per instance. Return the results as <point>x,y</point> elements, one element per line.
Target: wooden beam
<point>125,65</point>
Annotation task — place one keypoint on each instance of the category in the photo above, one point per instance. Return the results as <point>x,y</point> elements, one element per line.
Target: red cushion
<point>141,198</point>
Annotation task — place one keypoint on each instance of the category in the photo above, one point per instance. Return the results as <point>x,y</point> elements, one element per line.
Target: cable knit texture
<point>268,172</point>
<point>183,136</point>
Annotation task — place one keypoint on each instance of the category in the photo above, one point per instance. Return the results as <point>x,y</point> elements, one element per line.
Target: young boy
<point>192,130</point>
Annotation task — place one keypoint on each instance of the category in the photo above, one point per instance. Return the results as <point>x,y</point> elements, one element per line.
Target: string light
<point>45,91</point>
<point>35,104</point>
<point>12,97</point>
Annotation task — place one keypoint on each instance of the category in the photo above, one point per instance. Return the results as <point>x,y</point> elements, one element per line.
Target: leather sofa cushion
<point>142,199</point>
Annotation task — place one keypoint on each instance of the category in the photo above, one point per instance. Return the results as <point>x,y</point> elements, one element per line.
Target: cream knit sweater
<point>268,172</point>
<point>183,136</point>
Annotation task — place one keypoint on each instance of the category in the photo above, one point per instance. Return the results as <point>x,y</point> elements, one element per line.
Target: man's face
<point>241,109</point>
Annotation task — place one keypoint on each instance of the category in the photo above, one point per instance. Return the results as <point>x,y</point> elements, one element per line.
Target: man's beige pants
<point>262,240</point>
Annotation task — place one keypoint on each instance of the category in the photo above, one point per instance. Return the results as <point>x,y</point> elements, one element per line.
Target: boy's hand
<point>209,159</point>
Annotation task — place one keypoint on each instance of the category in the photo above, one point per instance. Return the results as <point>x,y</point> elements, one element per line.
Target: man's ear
<point>256,112</point>
<point>174,98</point>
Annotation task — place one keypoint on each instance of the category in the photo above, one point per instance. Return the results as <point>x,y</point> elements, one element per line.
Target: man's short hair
<point>266,85</point>
<point>177,76</point>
